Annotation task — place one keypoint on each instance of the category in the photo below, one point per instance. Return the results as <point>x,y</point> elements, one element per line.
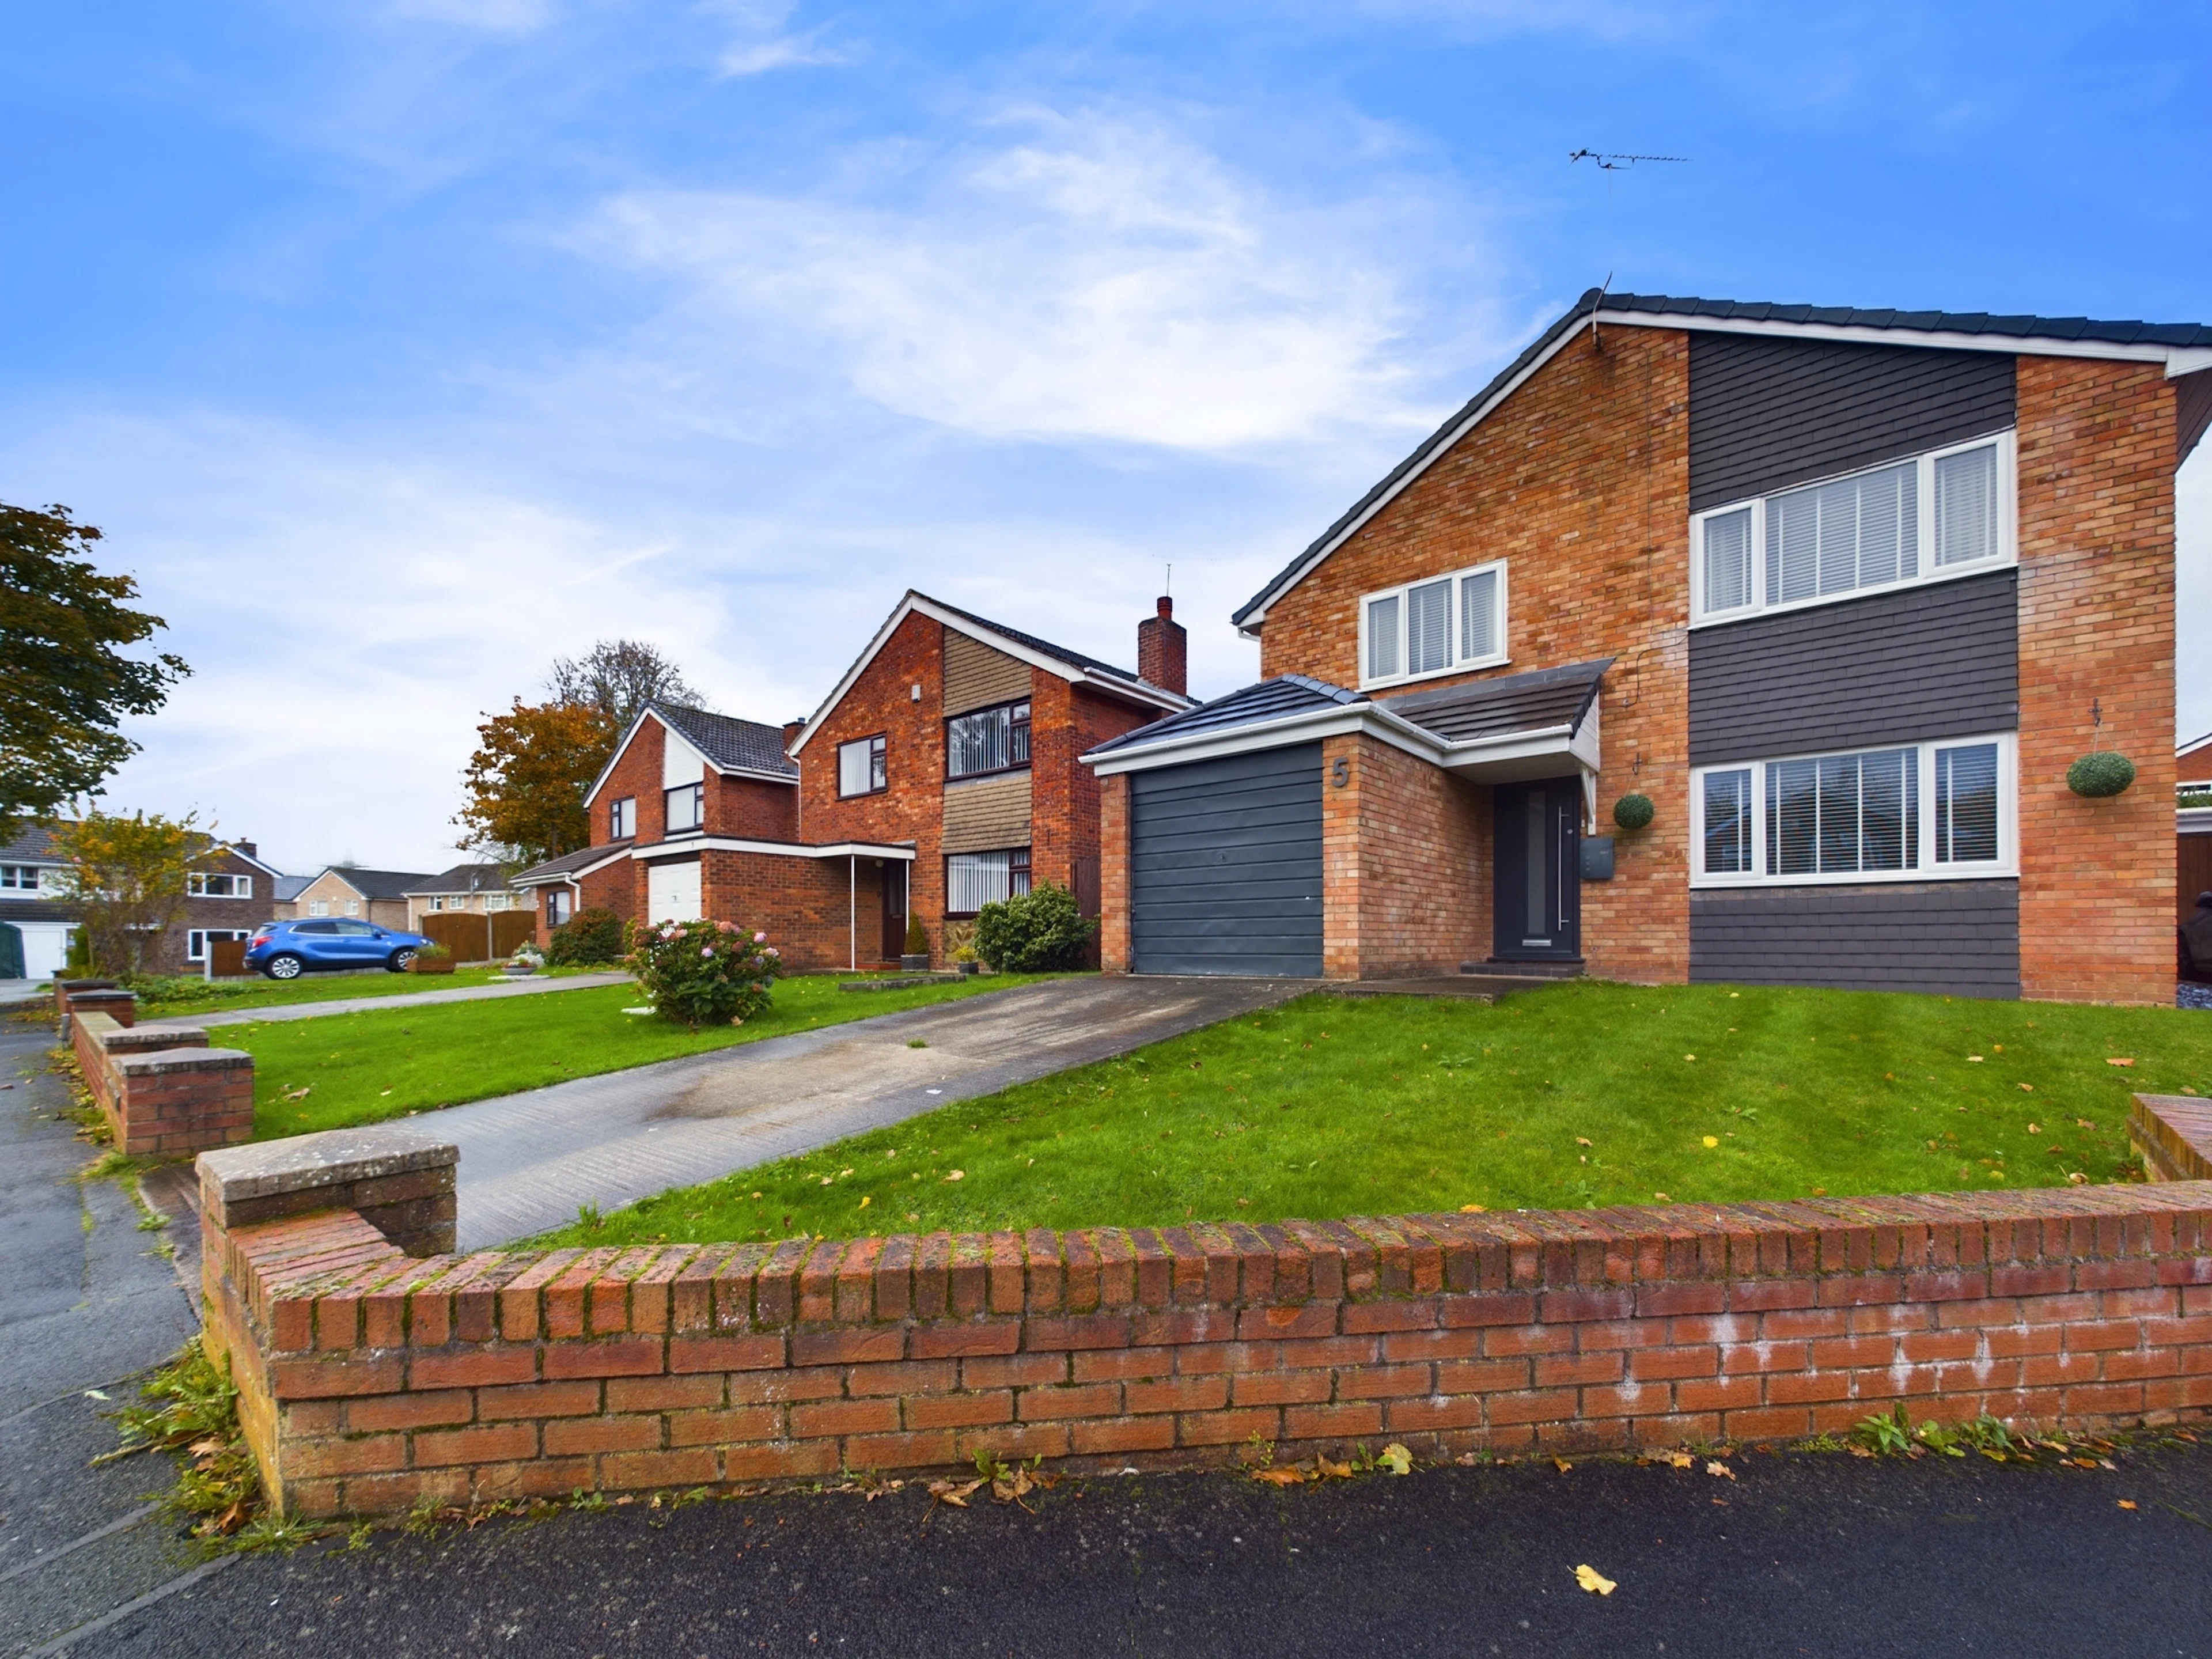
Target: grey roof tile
<point>462,878</point>
<point>1286,694</point>
<point>726,741</point>
<point>377,883</point>
<point>1516,702</point>
<point>582,857</point>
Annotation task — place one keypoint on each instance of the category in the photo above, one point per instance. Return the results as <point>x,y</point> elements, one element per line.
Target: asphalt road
<point>1801,1554</point>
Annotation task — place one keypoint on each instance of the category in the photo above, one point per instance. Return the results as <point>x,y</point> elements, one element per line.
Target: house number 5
<point>1339,772</point>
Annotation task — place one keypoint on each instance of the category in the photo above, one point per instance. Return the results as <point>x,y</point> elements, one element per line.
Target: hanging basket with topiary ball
<point>2101,774</point>
<point>1634,811</point>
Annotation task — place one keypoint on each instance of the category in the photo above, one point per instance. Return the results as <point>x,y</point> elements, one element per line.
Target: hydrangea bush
<point>704,973</point>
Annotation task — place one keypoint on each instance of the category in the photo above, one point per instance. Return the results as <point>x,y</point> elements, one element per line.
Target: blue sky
<point>401,347</point>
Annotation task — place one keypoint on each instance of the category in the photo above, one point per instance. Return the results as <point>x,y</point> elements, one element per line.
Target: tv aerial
<point>1617,162</point>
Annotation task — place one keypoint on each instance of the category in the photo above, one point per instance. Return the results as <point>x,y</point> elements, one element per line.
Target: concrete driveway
<point>529,1160</point>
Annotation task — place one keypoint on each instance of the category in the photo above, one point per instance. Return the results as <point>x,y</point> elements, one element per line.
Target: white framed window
<point>353,907</point>
<point>217,885</point>
<point>1921,811</point>
<point>318,907</point>
<point>862,766</point>
<point>989,740</point>
<point>622,818</point>
<point>687,808</point>
<point>195,939</point>
<point>1948,513</point>
<point>1443,624</point>
<point>25,879</point>
<point>973,880</point>
<point>557,900</point>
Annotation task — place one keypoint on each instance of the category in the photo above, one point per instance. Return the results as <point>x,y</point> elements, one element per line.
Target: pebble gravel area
<point>2193,996</point>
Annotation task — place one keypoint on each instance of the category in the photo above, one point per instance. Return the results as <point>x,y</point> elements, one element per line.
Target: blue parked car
<point>285,949</point>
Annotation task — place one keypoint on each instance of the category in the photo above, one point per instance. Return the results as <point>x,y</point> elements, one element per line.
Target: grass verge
<point>1582,1093</point>
<point>366,1067</point>
<point>171,998</point>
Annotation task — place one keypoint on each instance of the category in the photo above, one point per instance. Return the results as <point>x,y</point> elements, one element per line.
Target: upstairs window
<point>989,740</point>
<point>1442,625</point>
<point>687,808</point>
<point>622,818</point>
<point>1926,810</point>
<point>217,885</point>
<point>24,877</point>
<point>861,769</point>
<point>1942,513</point>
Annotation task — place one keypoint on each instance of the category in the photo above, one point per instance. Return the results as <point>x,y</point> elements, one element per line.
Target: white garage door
<point>671,892</point>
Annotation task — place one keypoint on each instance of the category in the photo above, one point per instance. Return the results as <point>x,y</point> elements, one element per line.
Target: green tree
<point>63,626</point>
<point>129,874</point>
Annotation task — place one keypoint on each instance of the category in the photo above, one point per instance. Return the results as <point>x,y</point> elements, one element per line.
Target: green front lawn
<point>169,998</point>
<point>1584,1094</point>
<point>366,1067</point>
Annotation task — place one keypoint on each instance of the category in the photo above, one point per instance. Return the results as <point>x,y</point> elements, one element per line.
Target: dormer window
<point>1441,625</point>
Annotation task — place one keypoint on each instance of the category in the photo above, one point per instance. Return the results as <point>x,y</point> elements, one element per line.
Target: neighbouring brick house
<point>378,896</point>
<point>958,739</point>
<point>228,893</point>
<point>1840,593</point>
<point>474,888</point>
<point>940,772</point>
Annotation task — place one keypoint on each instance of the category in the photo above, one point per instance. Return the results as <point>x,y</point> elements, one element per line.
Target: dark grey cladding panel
<point>1959,939</point>
<point>1939,661</point>
<point>1765,414</point>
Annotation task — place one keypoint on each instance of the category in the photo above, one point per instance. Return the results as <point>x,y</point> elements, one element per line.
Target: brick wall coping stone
<point>142,1039</point>
<point>335,1158</point>
<point>2173,1133</point>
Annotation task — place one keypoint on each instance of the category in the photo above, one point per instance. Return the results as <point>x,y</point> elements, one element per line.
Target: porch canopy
<point>1542,724</point>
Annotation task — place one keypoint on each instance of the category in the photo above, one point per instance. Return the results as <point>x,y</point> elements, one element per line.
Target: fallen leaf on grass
<point>1711,1141</point>
<point>1680,1460</point>
<point>1582,1141</point>
<point>299,1094</point>
<point>1662,1198</point>
<point>1395,1458</point>
<point>1333,1471</point>
<point>1721,1470</point>
<point>2129,1061</point>
<point>1594,1581</point>
<point>1282,1474</point>
<point>958,1175</point>
<point>2027,1088</point>
<point>1973,1059</point>
<point>1470,1209</point>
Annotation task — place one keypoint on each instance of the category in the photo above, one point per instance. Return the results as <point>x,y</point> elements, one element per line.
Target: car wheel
<point>400,958</point>
<point>284,967</point>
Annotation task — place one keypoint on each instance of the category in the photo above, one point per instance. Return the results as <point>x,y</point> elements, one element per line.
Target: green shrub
<point>1033,932</point>
<point>704,973</point>
<point>2100,775</point>
<point>917,940</point>
<point>589,936</point>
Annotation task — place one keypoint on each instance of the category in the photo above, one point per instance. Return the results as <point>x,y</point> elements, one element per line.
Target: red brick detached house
<point>1838,596</point>
<point>958,739</point>
<point>697,815</point>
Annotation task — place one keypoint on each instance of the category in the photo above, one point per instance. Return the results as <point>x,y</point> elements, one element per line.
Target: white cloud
<point>760,42</point>
<point>1094,278</point>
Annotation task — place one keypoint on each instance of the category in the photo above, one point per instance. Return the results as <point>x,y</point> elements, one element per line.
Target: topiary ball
<point>2101,774</point>
<point>1634,811</point>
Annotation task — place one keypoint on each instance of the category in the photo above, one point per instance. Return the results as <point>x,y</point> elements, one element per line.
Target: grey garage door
<point>1224,866</point>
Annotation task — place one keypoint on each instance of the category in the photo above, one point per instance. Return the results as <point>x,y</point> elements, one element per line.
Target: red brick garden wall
<point>370,1380</point>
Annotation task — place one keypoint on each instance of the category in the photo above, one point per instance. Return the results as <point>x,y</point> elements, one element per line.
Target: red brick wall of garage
<point>1406,886</point>
<point>1581,481</point>
<point>1113,873</point>
<point>2096,446</point>
<point>804,905</point>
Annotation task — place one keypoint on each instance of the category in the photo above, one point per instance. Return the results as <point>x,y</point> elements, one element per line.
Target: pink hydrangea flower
<point>760,938</point>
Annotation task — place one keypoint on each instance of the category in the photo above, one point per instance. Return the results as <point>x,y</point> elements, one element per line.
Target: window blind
<point>1428,627</point>
<point>1383,638</point>
<point>1727,561</point>
<point>1728,822</point>
<point>1966,506</point>
<point>1833,538</point>
<point>1478,624</point>
<point>973,880</point>
<point>1967,804</point>
<point>1843,812</point>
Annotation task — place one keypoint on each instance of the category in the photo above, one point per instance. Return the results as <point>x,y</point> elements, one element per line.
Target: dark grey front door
<point>1224,866</point>
<point>1539,895</point>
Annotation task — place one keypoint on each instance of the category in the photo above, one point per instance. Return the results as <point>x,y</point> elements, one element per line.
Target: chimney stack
<point>1164,649</point>
<point>790,731</point>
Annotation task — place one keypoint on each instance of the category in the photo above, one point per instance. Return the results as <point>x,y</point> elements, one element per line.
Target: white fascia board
<point>1152,697</point>
<point>613,760</point>
<point>691,846</point>
<point>1303,726</point>
<point>2179,360</point>
<point>1250,628</point>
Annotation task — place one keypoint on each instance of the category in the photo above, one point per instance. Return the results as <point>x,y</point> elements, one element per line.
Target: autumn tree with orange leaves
<point>526,780</point>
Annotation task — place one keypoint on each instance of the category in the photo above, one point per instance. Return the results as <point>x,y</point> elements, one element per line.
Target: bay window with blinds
<point>1922,811</point>
<point>1945,514</point>
<point>1443,624</point>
